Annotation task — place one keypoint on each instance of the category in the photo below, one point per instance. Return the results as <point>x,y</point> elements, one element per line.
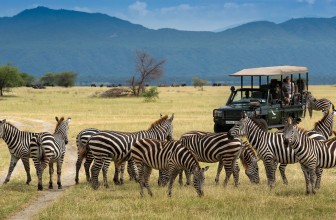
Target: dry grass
<point>193,111</point>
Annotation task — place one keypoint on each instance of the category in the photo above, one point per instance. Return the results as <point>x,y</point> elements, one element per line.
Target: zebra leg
<point>219,170</point>
<point>96,167</point>
<point>51,172</point>
<point>78,166</point>
<point>12,165</point>
<point>236,170</point>
<point>25,161</point>
<point>270,167</point>
<point>133,169</point>
<point>87,164</point>
<point>282,169</point>
<point>105,170</point>
<point>59,172</point>
<point>122,171</point>
<point>147,173</point>
<point>129,171</point>
<point>306,176</point>
<point>228,172</point>
<point>173,174</point>
<point>180,178</point>
<point>312,179</point>
<point>187,174</point>
<point>141,179</point>
<point>116,173</point>
<point>318,173</point>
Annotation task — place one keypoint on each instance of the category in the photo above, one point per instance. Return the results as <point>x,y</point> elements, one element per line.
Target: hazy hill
<point>102,48</point>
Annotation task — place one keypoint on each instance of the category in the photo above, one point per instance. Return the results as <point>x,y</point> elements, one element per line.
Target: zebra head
<point>198,179</point>
<point>240,128</point>
<point>62,128</point>
<point>2,127</point>
<point>164,128</point>
<point>290,132</point>
<point>249,160</point>
<point>163,178</point>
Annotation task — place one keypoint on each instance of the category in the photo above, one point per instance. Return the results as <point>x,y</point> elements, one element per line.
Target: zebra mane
<point>159,121</point>
<point>320,121</point>
<point>59,122</point>
<point>259,124</point>
<point>11,125</point>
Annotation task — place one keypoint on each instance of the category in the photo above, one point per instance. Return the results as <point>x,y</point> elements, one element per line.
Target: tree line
<point>10,76</point>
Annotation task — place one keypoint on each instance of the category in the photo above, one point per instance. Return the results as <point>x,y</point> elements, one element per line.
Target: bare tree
<point>147,69</point>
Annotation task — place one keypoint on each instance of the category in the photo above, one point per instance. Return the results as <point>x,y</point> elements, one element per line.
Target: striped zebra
<point>247,157</point>
<point>18,146</point>
<point>317,104</point>
<point>322,131</point>
<point>269,146</point>
<point>170,156</point>
<point>46,148</point>
<point>311,154</point>
<point>81,141</point>
<point>216,147</point>
<point>113,145</point>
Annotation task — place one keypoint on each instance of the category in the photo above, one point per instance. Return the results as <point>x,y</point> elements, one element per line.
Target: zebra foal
<point>317,104</point>
<point>169,156</point>
<point>46,148</point>
<point>310,153</point>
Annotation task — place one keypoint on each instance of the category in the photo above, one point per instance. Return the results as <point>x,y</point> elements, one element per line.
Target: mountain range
<point>101,48</point>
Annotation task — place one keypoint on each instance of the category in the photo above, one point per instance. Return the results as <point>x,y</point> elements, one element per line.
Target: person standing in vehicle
<point>288,87</point>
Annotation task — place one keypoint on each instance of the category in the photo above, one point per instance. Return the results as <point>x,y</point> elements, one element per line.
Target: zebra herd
<point>155,148</point>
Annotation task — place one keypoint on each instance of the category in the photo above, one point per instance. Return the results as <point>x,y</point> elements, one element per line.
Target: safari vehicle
<point>264,98</point>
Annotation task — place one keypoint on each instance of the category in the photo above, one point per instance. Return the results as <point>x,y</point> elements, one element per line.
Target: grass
<point>193,111</point>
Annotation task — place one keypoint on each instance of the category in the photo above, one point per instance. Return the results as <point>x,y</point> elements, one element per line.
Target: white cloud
<point>232,5</point>
<point>310,2</point>
<point>139,7</point>
<point>83,9</point>
<point>179,8</point>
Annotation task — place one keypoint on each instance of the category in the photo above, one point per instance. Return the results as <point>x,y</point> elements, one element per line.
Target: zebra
<point>269,146</point>
<point>81,141</point>
<point>216,147</point>
<point>247,157</point>
<point>310,153</point>
<point>46,148</point>
<point>317,104</point>
<point>113,145</point>
<point>170,156</point>
<point>18,146</point>
<point>322,131</point>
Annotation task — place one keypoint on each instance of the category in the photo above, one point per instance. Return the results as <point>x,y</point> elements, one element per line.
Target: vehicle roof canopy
<point>271,71</point>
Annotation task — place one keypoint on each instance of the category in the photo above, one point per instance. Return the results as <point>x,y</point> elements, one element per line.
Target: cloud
<point>179,8</point>
<point>139,7</point>
<point>310,2</point>
<point>83,9</point>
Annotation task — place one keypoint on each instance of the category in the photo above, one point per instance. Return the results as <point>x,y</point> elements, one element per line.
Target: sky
<point>192,15</point>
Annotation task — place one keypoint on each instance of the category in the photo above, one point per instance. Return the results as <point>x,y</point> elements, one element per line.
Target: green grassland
<point>193,111</point>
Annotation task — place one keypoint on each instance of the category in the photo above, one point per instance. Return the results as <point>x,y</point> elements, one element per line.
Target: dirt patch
<point>46,197</point>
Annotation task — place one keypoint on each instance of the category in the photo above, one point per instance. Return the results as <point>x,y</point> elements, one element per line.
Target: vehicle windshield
<point>242,96</point>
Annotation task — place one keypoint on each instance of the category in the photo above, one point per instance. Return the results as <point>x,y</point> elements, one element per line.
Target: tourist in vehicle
<point>288,87</point>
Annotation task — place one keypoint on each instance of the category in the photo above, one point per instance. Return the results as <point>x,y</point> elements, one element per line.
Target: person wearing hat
<point>288,88</point>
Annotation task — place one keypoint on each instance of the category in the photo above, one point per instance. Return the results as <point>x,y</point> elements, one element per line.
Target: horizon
<point>188,15</point>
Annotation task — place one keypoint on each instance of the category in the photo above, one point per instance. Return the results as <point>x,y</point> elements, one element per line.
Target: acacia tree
<point>147,68</point>
<point>9,77</point>
<point>197,82</point>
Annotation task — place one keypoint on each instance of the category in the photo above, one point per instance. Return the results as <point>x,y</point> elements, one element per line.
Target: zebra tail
<point>82,149</point>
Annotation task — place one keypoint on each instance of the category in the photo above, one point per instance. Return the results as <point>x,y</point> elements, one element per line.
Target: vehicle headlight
<point>217,114</point>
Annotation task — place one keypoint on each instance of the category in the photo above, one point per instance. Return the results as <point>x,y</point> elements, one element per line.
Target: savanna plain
<point>193,111</point>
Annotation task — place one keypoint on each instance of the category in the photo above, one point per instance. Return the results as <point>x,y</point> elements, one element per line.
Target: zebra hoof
<point>40,188</point>
<point>60,187</point>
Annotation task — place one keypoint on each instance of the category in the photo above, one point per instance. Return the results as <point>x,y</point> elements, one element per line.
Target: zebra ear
<point>3,121</point>
<point>290,120</point>
<point>243,114</point>
<point>172,117</point>
<point>56,118</point>
<point>68,120</point>
<point>160,115</point>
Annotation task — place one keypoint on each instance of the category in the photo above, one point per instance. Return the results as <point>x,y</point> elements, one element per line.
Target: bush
<point>151,94</point>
